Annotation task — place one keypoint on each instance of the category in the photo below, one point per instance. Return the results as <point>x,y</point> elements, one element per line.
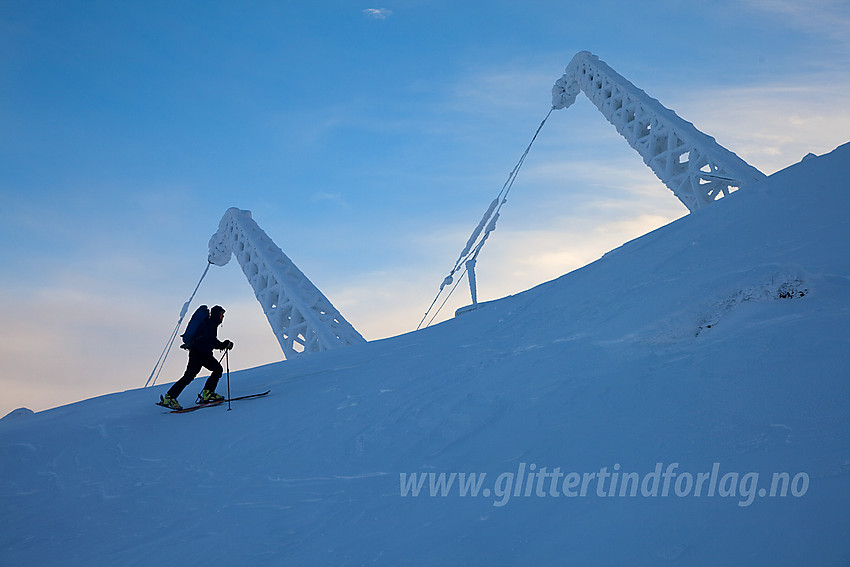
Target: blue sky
<point>367,140</point>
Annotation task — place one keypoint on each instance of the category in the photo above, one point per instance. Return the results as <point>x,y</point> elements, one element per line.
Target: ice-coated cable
<point>164,355</point>
<point>487,225</point>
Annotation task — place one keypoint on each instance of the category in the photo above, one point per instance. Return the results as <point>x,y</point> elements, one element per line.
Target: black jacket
<point>206,339</point>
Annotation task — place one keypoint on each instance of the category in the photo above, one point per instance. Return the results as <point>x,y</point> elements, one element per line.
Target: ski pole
<point>227,361</point>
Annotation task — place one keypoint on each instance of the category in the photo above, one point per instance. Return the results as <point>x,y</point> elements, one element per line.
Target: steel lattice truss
<point>302,318</point>
<point>692,164</point>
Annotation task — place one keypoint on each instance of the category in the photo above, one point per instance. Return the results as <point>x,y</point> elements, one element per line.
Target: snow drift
<point>712,350</point>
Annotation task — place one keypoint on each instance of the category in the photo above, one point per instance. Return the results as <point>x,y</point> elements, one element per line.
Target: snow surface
<point>723,338</point>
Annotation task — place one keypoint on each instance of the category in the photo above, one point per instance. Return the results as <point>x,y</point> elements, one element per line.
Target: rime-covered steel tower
<point>690,163</point>
<point>302,318</point>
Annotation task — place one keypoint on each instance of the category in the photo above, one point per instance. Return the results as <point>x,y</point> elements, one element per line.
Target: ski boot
<point>209,397</point>
<point>169,402</point>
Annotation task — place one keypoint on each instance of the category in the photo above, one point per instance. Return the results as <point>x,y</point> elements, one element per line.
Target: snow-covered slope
<point>710,351</point>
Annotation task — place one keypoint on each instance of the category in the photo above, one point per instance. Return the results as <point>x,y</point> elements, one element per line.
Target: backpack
<point>200,315</point>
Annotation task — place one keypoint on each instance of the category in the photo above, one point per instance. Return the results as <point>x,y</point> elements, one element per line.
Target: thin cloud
<point>378,13</point>
<point>324,196</point>
<point>823,17</point>
<point>773,126</point>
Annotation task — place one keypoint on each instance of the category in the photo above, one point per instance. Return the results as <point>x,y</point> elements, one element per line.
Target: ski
<point>248,396</point>
<point>199,406</point>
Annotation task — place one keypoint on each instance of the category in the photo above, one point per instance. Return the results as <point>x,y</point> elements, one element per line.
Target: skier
<point>201,356</point>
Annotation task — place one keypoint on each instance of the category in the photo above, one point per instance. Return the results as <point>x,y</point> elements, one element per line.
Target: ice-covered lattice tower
<point>690,163</point>
<point>302,318</point>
